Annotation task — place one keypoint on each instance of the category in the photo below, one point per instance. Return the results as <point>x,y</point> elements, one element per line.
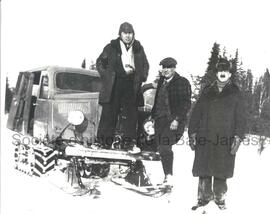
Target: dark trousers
<point>165,139</point>
<point>122,100</point>
<point>212,188</point>
<point>166,155</point>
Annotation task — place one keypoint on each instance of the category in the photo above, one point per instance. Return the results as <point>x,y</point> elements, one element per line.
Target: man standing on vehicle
<point>172,103</point>
<point>216,128</point>
<point>123,67</point>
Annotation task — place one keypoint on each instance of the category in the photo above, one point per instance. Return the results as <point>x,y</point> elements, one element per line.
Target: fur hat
<point>126,27</point>
<point>168,62</point>
<point>224,65</point>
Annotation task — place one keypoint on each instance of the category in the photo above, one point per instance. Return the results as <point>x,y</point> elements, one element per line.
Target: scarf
<point>221,85</point>
<point>127,56</point>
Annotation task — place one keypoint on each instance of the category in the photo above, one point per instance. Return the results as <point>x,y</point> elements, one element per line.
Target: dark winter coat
<point>109,63</point>
<point>216,119</point>
<point>179,99</point>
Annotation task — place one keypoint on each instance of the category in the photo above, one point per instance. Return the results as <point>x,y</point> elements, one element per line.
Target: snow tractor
<point>55,115</point>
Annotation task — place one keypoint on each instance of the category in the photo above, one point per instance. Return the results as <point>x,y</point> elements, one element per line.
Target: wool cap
<point>126,28</point>
<point>168,62</point>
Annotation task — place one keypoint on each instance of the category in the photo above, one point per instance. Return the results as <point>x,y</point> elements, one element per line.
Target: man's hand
<point>161,72</point>
<point>192,141</point>
<point>235,145</point>
<point>174,125</point>
<point>129,69</point>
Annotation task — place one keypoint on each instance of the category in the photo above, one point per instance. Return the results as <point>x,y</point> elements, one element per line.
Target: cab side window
<point>44,88</point>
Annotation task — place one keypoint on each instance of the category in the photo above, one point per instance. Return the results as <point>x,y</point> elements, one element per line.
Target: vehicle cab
<point>44,97</point>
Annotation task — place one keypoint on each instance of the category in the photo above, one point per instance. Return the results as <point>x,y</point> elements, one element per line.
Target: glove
<point>192,141</point>
<point>235,145</point>
<point>129,69</point>
<point>174,125</point>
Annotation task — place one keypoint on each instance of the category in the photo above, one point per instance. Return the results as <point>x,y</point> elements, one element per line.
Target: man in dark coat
<point>171,105</point>
<point>216,128</point>
<point>123,67</point>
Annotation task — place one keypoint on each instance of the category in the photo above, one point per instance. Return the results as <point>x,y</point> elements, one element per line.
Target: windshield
<point>77,82</point>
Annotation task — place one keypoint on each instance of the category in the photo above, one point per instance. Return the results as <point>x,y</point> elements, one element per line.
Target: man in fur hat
<point>171,105</point>
<point>216,128</point>
<point>123,67</point>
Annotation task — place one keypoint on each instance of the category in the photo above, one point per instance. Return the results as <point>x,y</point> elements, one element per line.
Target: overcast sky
<point>62,32</point>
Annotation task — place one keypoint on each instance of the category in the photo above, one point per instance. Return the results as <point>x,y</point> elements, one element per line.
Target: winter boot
<point>221,204</point>
<point>200,203</point>
<point>168,181</point>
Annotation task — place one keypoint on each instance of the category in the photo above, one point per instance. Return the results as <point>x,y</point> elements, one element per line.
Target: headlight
<point>75,117</point>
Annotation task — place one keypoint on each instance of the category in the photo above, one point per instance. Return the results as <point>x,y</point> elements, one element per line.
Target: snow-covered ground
<point>248,189</point>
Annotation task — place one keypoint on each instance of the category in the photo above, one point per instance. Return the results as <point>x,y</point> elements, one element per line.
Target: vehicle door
<point>42,109</point>
<point>19,114</point>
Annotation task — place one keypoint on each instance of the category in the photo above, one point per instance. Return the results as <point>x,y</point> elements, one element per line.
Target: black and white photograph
<point>130,106</point>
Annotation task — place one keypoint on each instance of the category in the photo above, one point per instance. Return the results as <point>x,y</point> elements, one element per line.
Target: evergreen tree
<point>261,105</point>
<point>196,80</point>
<point>261,91</point>
<point>256,97</point>
<point>240,74</point>
<point>224,54</point>
<point>244,80</point>
<point>209,75</point>
<point>265,96</point>
<point>247,91</point>
<point>249,82</point>
<point>266,85</point>
<point>83,63</point>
